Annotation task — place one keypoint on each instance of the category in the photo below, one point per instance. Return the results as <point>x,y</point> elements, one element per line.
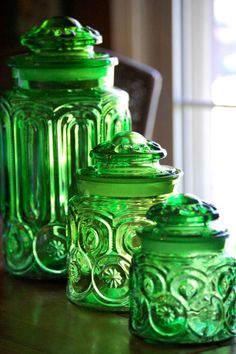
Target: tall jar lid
<point>60,33</point>
<point>61,40</point>
<point>183,216</point>
<point>129,154</point>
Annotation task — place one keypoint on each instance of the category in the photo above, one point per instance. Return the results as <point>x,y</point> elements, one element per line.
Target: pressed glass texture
<point>62,105</point>
<point>113,198</point>
<point>182,283</point>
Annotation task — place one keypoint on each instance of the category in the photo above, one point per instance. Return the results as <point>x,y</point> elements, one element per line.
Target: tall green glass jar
<point>182,282</point>
<point>104,216</point>
<point>63,104</point>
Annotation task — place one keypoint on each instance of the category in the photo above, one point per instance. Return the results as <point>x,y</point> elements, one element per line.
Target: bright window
<point>204,67</point>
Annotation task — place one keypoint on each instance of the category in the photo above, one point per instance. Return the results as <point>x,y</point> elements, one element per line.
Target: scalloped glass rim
<point>36,61</point>
<point>92,173</point>
<point>194,233</point>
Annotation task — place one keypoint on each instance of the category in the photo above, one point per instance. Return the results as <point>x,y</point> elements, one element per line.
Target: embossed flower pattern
<point>112,277</point>
<point>56,249</point>
<point>166,314</point>
<point>194,305</point>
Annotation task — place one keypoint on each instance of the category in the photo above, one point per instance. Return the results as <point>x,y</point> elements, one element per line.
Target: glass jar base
<point>99,307</point>
<point>34,273</point>
<point>169,341</point>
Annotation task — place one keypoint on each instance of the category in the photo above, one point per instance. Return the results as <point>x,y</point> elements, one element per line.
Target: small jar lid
<point>129,154</point>
<point>183,216</point>
<point>128,166</point>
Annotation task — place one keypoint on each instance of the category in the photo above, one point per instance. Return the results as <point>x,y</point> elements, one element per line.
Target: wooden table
<point>36,317</point>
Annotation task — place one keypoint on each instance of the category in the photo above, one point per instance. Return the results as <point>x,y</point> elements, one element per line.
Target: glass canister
<point>62,105</point>
<point>111,205</point>
<point>182,283</point>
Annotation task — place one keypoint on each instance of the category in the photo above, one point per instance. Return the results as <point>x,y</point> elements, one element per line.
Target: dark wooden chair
<point>143,83</point>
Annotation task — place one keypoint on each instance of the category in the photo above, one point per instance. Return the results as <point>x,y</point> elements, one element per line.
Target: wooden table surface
<point>36,317</point>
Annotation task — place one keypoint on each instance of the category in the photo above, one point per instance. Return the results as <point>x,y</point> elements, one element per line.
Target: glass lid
<point>183,216</point>
<point>129,154</point>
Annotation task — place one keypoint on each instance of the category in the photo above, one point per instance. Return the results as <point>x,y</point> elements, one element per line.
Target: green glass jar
<point>111,205</point>
<point>63,104</point>
<point>182,283</point>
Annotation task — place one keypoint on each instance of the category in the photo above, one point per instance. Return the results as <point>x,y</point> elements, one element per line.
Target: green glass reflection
<point>182,283</point>
<point>62,105</point>
<point>113,198</point>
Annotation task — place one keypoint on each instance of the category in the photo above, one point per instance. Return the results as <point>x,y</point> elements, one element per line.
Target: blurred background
<point>193,45</point>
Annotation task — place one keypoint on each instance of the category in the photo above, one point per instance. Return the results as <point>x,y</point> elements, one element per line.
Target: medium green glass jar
<point>63,104</point>
<point>182,283</point>
<point>111,204</point>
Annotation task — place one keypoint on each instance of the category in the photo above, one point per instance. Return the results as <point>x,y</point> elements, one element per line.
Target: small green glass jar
<point>112,202</point>
<point>182,283</point>
<point>63,103</point>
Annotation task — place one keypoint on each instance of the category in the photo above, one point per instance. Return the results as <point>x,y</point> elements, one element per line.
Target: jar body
<point>102,237</point>
<point>183,299</point>
<point>45,136</point>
